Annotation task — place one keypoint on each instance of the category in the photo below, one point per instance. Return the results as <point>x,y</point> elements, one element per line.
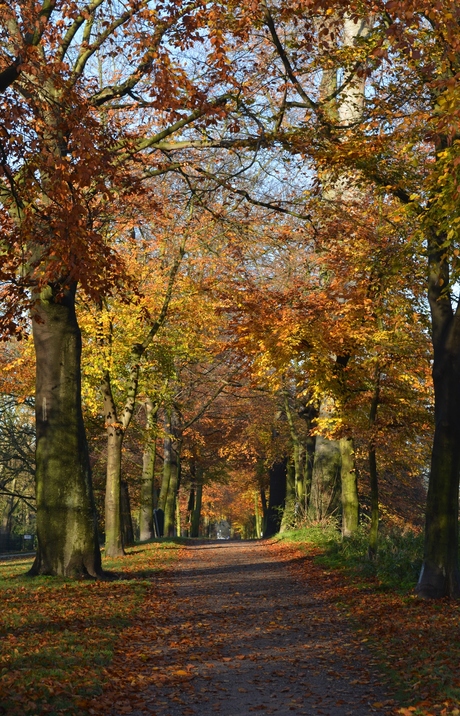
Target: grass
<point>417,641</point>
<point>57,635</point>
<point>396,566</point>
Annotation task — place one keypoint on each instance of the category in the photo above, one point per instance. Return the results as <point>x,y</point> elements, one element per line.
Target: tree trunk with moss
<point>297,457</point>
<point>127,529</point>
<point>325,487</point>
<point>196,515</point>
<point>68,543</point>
<point>10,504</point>
<point>147,496</point>
<point>288,518</point>
<point>113,524</point>
<point>349,482</point>
<point>309,413</point>
<point>171,475</point>
<point>170,504</point>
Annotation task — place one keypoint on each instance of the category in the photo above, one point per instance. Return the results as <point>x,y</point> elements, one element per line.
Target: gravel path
<point>259,638</point>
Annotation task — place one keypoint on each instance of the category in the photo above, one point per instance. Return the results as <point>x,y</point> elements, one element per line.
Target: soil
<point>247,632</point>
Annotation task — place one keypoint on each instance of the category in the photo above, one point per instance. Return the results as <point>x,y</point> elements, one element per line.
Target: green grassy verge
<point>396,566</point>
<point>57,635</point>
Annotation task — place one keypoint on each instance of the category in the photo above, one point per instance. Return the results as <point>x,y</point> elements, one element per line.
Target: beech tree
<point>403,146</point>
<point>87,87</point>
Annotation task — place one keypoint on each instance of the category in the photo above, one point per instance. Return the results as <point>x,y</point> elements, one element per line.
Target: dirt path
<point>248,632</point>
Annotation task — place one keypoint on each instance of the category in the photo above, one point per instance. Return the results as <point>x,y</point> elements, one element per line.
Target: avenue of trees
<point>229,264</point>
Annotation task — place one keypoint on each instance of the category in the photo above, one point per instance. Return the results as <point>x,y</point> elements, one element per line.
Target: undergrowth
<point>396,566</point>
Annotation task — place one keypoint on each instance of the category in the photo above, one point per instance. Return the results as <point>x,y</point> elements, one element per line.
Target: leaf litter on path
<point>242,628</point>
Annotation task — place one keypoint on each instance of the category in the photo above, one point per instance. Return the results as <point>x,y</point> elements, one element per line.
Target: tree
<point>72,127</point>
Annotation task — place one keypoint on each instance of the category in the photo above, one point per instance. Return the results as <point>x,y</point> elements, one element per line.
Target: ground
<point>244,631</point>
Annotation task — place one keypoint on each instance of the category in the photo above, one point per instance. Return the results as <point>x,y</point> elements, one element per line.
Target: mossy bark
<point>68,543</point>
<point>310,445</point>
<point>349,483</point>
<point>325,488</point>
<point>166,476</point>
<point>288,518</point>
<point>113,532</point>
<point>170,504</point>
<point>127,530</point>
<point>297,457</point>
<point>147,496</point>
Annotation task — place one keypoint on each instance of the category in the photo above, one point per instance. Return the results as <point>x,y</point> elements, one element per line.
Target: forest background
<point>232,230</point>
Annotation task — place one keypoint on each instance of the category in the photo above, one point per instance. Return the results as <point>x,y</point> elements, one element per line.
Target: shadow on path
<point>247,629</point>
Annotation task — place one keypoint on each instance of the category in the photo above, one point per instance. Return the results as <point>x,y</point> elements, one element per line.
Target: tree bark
<point>440,575</point>
<point>263,500</point>
<point>68,543</point>
<point>374,485</point>
<point>148,477</point>
<point>196,516</point>
<point>172,454</point>
<point>170,504</point>
<point>297,455</point>
<point>325,487</point>
<point>288,519</point>
<point>113,532</point>
<point>373,475</point>
<point>257,516</point>
<point>127,530</point>
<point>277,474</point>
<point>309,413</point>
<point>350,502</point>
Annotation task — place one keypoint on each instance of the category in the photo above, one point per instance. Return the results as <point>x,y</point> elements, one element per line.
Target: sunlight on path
<point>246,635</point>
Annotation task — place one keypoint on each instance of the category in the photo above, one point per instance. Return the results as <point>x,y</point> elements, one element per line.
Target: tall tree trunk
<point>113,531</point>
<point>148,476</point>
<point>325,486</point>
<point>373,475</point>
<point>117,427</point>
<point>127,530</point>
<point>287,521</point>
<point>196,516</point>
<point>263,499</point>
<point>440,575</point>
<point>350,503</point>
<point>170,504</point>
<point>190,510</point>
<point>66,514</point>
<point>6,520</point>
<point>166,477</point>
<point>309,413</point>
<point>174,451</point>
<point>297,454</point>
<point>277,474</point>
<point>310,445</point>
<point>374,485</point>
<point>257,517</point>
